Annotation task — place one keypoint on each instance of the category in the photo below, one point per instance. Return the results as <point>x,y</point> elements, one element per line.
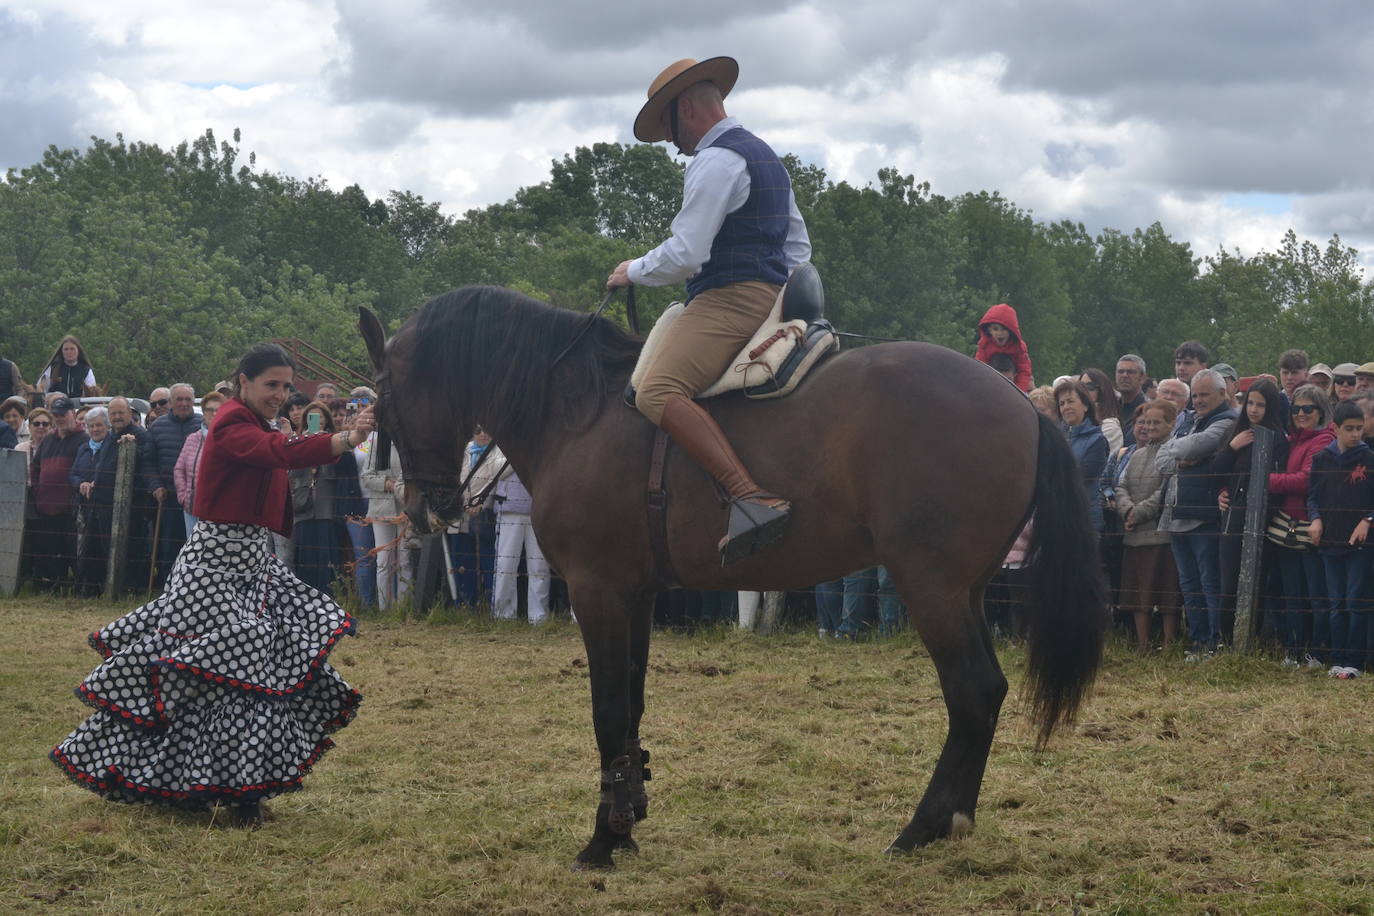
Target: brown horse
<point>906,455</point>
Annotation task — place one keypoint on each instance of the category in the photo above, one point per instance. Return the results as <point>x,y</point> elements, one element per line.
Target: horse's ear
<point>373,336</point>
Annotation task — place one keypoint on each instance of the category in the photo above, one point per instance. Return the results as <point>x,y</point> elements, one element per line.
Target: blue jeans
<point>364,567</point>
<point>1199,579</point>
<point>859,591</point>
<point>829,604</point>
<point>1306,622</point>
<point>474,561</point>
<point>1345,577</point>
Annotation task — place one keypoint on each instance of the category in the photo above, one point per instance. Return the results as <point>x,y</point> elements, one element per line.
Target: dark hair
<point>293,400</point>
<point>1193,349</point>
<point>1273,409</point>
<point>1347,410</point>
<point>1108,402</point>
<point>1293,360</point>
<point>1078,389</point>
<point>1002,362</point>
<point>487,347</point>
<point>57,359</point>
<point>258,359</point>
<point>14,403</point>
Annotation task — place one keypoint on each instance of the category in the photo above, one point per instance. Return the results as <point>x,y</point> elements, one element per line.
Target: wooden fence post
<point>772,612</point>
<point>119,521</point>
<point>13,498</point>
<point>1252,540</point>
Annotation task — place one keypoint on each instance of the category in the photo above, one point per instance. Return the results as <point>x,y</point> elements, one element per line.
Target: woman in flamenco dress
<point>220,691</point>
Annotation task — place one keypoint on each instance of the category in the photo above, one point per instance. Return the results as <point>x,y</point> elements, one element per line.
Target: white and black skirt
<point>220,689</point>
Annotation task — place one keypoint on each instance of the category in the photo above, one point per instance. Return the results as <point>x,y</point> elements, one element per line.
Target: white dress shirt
<point>715,185</point>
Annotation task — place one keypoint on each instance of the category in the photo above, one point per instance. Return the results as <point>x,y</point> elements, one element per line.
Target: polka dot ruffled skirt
<point>219,690</point>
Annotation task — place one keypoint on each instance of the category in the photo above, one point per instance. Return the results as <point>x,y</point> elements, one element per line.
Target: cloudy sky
<point>1228,122</point>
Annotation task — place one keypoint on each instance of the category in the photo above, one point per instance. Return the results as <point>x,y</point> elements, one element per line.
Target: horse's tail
<point>1066,605</point>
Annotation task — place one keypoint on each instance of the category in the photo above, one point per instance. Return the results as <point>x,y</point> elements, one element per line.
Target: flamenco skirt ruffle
<point>219,690</point>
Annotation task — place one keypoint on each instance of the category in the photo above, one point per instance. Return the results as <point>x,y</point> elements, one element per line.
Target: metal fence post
<point>1252,540</point>
<point>119,522</point>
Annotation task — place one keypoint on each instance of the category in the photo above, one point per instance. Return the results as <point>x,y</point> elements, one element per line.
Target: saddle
<point>793,338</point>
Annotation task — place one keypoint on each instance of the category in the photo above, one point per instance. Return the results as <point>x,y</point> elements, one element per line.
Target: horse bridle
<point>443,484</point>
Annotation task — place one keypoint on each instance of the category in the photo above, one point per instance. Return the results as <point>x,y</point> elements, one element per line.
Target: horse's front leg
<point>605,621</point>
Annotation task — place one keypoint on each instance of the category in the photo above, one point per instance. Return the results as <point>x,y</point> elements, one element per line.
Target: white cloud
<point>1112,116</point>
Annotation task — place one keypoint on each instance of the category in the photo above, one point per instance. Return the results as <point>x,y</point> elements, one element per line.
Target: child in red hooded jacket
<point>999,332</point>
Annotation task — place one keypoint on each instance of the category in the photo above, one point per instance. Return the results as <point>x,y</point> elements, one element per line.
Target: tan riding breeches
<point>711,331</point>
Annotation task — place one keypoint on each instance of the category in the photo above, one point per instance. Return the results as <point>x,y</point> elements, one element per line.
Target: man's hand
<point>1314,529</point>
<point>86,488</point>
<point>620,276</point>
<point>160,494</point>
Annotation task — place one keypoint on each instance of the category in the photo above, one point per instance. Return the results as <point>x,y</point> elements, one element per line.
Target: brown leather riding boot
<point>757,518</point>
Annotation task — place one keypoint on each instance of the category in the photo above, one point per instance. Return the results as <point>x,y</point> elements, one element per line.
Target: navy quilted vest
<point>749,243</point>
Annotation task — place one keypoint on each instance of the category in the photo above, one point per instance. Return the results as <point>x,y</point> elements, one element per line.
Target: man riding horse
<point>735,241</point>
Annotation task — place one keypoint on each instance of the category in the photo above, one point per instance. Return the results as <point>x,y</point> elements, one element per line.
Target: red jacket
<point>1291,484</point>
<point>1015,347</point>
<point>242,475</point>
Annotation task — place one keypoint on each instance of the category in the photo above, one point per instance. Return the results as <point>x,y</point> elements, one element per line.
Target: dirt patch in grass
<point>782,768</point>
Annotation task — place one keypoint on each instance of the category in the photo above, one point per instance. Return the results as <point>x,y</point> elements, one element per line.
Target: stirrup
<point>753,527</point>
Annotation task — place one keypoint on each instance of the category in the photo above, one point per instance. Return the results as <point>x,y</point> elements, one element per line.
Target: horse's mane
<point>492,349</point>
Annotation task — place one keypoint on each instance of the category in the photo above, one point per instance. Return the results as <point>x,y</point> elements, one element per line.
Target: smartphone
<point>312,422</point>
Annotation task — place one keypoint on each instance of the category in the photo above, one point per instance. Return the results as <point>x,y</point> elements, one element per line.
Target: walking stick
<point>157,536</point>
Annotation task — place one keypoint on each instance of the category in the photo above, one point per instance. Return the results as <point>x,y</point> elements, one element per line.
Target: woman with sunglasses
<point>1304,578</point>
<point>1108,407</point>
<point>1343,382</point>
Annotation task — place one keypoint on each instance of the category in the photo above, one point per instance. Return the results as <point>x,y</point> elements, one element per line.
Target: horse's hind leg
<point>950,620</point>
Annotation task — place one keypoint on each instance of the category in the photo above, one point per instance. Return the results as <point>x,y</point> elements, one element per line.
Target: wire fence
<point>1266,594</point>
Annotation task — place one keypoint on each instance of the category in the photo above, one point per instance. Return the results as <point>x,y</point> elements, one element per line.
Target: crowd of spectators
<point>1166,465</point>
<point>1169,472</point>
<point>348,534</point>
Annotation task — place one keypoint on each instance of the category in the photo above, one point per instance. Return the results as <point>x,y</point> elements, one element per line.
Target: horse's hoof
<point>590,864</point>
<point>894,851</point>
<point>627,845</point>
<point>594,856</point>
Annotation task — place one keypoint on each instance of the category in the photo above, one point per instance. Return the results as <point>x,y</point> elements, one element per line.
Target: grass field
<point>782,768</point>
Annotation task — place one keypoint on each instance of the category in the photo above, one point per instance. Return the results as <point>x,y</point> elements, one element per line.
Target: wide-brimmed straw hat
<point>668,85</point>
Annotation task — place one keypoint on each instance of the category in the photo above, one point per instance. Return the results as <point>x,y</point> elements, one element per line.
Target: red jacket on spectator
<point>1291,484</point>
<point>242,474</point>
<point>53,493</point>
<point>1015,347</point>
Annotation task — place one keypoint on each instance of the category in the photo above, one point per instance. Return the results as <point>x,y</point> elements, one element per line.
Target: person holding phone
<point>220,691</point>
<point>318,534</point>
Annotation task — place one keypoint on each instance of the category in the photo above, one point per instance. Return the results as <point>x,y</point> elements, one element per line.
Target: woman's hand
<point>390,485</point>
<point>1357,537</point>
<point>363,427</point>
<point>1223,500</point>
<point>1243,439</point>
